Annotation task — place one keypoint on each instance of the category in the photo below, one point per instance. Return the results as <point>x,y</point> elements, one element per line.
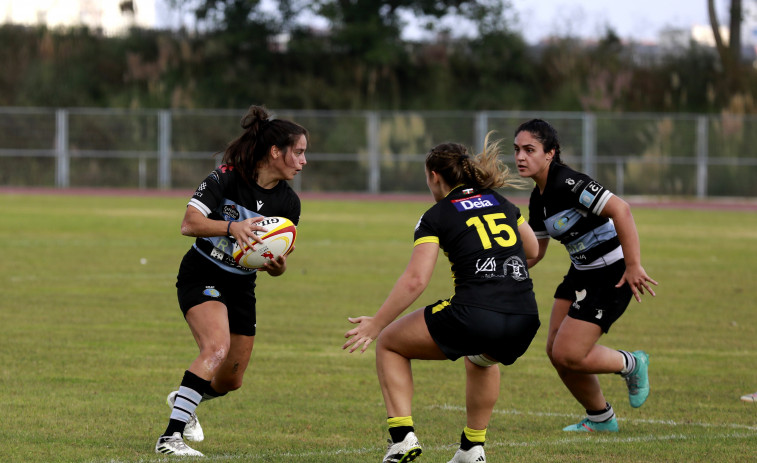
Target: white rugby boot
<point>474,455</point>
<point>403,452</point>
<point>174,445</point>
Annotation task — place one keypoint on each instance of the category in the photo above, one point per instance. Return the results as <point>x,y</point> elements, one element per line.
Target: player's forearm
<point>405,292</point>
<point>629,238</point>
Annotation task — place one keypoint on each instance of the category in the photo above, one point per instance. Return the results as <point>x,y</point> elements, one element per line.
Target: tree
<point>730,55</point>
<point>368,32</point>
<point>222,14</point>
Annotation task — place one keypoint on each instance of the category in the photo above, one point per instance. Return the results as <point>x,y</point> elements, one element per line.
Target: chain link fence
<point>672,155</point>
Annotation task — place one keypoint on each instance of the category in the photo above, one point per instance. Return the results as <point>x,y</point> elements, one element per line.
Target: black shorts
<point>461,330</point>
<point>594,295</point>
<point>200,280</point>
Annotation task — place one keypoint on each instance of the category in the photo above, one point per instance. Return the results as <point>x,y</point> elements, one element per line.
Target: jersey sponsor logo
<point>211,292</point>
<point>259,204</point>
<point>217,254</point>
<point>516,269</point>
<point>570,181</point>
<point>475,202</point>
<point>225,245</point>
<point>202,186</point>
<point>586,198</point>
<point>580,296</point>
<point>589,193</point>
<point>468,191</point>
<point>575,248</point>
<point>200,189</point>
<point>486,265</point>
<point>214,175</point>
<point>577,186</point>
<point>561,223</point>
<point>230,212</point>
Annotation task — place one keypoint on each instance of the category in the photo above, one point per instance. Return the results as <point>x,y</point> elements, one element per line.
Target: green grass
<point>92,340</point>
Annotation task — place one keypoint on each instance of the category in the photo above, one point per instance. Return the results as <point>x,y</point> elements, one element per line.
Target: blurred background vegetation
<point>239,53</point>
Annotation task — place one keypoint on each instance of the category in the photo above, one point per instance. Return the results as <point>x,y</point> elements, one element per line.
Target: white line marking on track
<point>609,438</point>
<point>628,420</point>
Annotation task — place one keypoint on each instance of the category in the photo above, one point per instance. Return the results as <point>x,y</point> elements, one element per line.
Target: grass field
<point>92,340</point>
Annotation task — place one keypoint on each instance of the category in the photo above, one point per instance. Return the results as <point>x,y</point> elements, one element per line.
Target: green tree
<point>361,49</point>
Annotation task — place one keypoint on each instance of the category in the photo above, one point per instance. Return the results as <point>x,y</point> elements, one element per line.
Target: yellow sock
<point>398,421</point>
<point>475,435</point>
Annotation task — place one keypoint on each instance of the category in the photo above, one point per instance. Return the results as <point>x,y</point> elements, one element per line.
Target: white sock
<point>601,416</point>
<point>629,363</point>
<point>186,402</point>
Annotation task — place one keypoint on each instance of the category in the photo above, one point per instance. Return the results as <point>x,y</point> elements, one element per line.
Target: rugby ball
<point>277,241</point>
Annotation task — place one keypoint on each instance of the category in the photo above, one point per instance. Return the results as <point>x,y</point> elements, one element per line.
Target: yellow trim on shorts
<point>439,307</point>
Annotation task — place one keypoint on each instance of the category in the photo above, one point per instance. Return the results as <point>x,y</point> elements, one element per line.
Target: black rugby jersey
<point>478,232</point>
<point>224,195</point>
<point>568,211</point>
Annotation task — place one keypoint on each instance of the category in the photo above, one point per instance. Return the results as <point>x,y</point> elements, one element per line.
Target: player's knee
<point>565,360</point>
<point>234,384</point>
<point>228,384</point>
<point>386,342</point>
<point>215,354</point>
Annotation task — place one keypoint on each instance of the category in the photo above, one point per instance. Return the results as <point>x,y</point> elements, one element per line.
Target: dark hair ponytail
<point>545,133</point>
<point>247,151</point>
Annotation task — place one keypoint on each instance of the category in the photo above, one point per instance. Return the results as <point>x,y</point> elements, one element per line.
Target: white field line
<point>604,438</point>
<point>458,408</point>
<point>376,452</point>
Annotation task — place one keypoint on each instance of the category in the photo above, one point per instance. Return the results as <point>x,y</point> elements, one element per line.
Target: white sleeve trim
<point>199,206</point>
<point>606,195</point>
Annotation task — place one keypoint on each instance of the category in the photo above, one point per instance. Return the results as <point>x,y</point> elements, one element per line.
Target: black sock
<point>465,444</point>
<point>398,433</point>
<point>174,426</point>
<point>192,384</point>
<point>210,393</point>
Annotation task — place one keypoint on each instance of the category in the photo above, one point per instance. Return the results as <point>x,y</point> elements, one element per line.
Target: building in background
<point>110,17</point>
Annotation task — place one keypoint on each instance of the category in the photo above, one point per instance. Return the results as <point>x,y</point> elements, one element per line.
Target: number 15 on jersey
<point>489,229</point>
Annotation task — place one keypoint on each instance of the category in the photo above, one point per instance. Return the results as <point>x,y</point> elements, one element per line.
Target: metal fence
<point>647,154</point>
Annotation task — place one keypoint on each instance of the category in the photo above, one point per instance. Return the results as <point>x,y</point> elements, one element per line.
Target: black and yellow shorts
<point>461,330</point>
